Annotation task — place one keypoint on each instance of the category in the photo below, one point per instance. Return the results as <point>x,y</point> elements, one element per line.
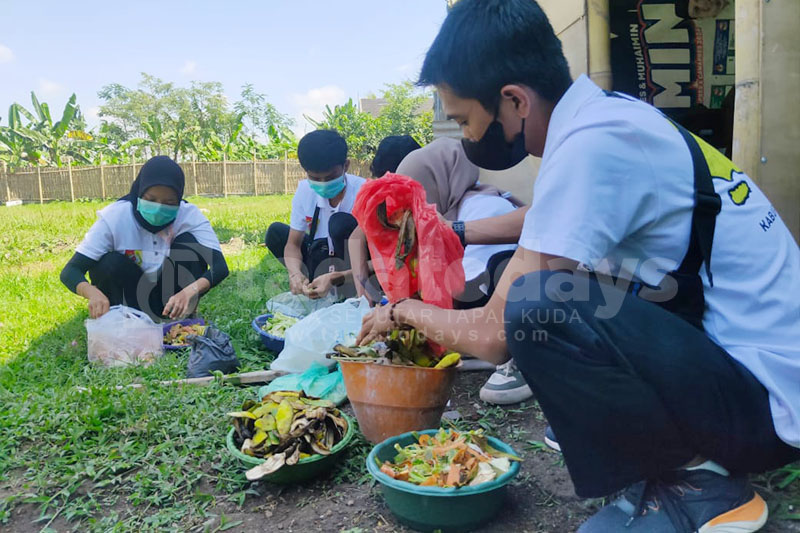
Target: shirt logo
<point>135,256</point>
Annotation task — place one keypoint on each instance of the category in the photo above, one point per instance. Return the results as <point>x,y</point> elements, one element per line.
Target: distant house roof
<point>374,106</point>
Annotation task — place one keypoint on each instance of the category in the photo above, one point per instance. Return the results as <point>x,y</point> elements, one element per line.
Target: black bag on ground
<point>210,352</point>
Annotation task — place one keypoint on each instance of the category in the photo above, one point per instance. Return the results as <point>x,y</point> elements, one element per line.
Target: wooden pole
<point>225,175</point>
<point>748,105</point>
<point>71,184</point>
<point>255,181</point>
<point>599,45</point>
<point>102,180</point>
<point>133,168</point>
<point>39,178</point>
<point>5,176</point>
<point>285,172</point>
<point>194,172</point>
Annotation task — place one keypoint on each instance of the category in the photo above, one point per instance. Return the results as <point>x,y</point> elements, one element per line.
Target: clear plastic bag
<point>314,336</point>
<point>123,336</point>
<point>299,304</point>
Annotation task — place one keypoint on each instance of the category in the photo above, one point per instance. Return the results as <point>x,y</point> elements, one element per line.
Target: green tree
<point>160,118</point>
<point>404,114</point>
<point>358,128</point>
<point>166,119</point>
<point>260,116</point>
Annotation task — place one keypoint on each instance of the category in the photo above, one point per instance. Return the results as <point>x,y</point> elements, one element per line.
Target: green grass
<point>117,459</point>
<point>150,459</point>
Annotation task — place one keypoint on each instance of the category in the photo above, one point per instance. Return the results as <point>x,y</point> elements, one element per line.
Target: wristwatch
<point>460,229</point>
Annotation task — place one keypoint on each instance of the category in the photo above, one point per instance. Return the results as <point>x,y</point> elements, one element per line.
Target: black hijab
<point>160,170</point>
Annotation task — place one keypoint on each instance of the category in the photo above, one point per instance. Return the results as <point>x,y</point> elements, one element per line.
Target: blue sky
<point>302,53</point>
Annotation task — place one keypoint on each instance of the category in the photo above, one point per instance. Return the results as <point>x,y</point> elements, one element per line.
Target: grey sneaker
<point>506,386</point>
<point>688,501</point>
<point>470,363</point>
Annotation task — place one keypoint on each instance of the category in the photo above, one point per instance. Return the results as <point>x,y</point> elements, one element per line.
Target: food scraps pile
<point>284,427</point>
<point>448,459</point>
<point>176,336</point>
<point>278,323</point>
<point>404,347</point>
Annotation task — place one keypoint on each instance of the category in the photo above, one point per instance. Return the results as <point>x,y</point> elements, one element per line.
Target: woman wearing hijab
<point>451,184</point>
<point>150,249</point>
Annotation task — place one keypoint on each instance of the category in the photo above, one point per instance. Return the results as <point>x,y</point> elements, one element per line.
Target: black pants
<point>123,281</point>
<point>317,256</point>
<point>637,394</point>
<point>473,296</point>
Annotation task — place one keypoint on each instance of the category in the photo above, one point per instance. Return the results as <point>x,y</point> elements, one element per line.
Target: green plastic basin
<point>305,469</point>
<point>435,508</point>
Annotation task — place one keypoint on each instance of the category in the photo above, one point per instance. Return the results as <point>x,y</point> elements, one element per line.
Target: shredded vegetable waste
<point>278,323</point>
<point>448,458</point>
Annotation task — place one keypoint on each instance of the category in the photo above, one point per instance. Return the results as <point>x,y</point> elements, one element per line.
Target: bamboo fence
<point>219,178</point>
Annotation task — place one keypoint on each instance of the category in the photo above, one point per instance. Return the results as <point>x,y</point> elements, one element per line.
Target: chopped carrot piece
<point>430,481</point>
<point>453,476</point>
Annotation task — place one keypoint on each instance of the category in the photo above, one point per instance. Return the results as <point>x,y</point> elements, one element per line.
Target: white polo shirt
<point>615,191</point>
<point>305,202</point>
<point>476,207</point>
<point>116,230</point>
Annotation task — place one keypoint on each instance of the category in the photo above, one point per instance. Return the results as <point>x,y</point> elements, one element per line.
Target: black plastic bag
<point>210,352</point>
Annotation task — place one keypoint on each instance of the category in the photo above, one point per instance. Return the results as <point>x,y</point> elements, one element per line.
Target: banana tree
<point>20,144</point>
<point>154,131</point>
<point>60,139</point>
<point>214,148</point>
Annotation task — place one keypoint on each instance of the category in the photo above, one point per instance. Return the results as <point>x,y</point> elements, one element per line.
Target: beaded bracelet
<point>391,311</point>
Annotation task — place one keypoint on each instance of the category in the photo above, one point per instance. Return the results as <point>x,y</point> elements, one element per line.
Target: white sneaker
<point>506,386</point>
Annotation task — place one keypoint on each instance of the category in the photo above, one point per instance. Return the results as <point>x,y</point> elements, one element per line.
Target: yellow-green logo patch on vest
<point>721,167</point>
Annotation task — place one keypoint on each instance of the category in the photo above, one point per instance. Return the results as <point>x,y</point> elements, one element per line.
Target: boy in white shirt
<point>313,245</point>
<point>660,380</point>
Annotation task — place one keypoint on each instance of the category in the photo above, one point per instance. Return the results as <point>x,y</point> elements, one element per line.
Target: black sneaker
<point>550,439</point>
<point>683,501</point>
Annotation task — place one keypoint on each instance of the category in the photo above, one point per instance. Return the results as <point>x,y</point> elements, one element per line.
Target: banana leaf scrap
<point>284,427</point>
<point>404,347</point>
<point>406,233</point>
<point>448,459</point>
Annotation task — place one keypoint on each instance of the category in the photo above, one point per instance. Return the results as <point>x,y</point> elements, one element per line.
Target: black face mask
<point>492,152</point>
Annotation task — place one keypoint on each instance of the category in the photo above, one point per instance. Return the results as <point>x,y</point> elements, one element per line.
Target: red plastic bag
<point>433,267</point>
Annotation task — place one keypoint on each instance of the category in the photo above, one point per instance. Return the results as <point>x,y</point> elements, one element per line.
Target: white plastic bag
<point>123,336</point>
<point>299,304</point>
<point>314,336</point>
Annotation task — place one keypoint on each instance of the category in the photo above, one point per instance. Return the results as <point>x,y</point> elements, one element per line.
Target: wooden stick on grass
<point>246,378</point>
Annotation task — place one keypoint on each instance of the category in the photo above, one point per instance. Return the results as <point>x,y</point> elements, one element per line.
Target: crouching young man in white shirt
<point>313,245</point>
<point>658,379</point>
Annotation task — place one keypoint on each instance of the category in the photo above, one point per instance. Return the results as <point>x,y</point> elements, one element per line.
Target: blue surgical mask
<point>155,213</point>
<point>328,189</point>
